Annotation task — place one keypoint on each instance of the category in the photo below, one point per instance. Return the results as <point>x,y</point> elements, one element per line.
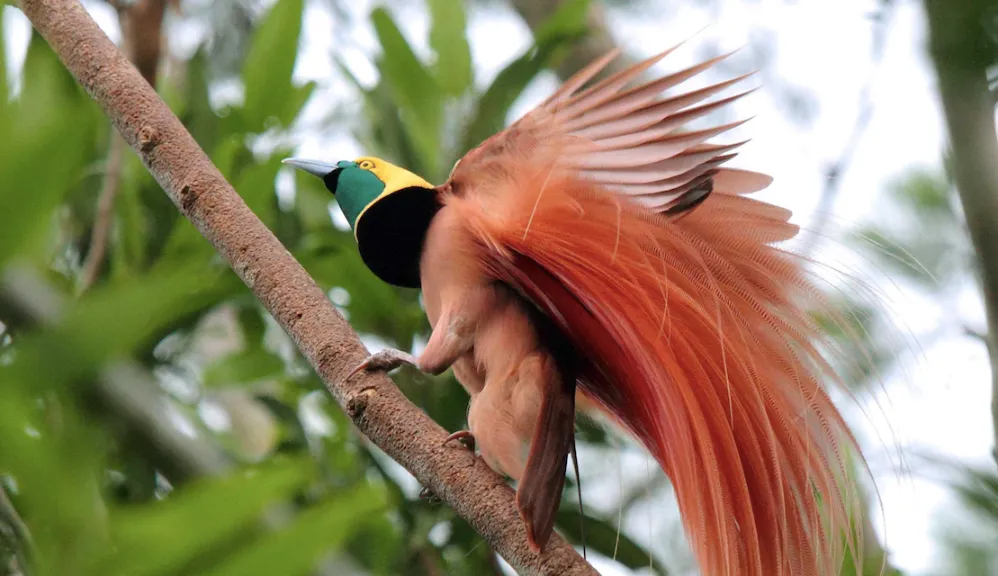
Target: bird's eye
<point>367,164</point>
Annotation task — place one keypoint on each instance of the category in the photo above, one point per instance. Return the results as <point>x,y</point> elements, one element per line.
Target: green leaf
<point>245,367</point>
<point>448,38</point>
<point>54,468</point>
<point>312,201</point>
<point>603,537</point>
<point>164,537</point>
<point>114,320</point>
<point>296,549</point>
<point>374,307</point>
<point>269,65</point>
<point>128,251</point>
<point>494,105</point>
<point>567,23</point>
<point>46,137</point>
<point>256,186</point>
<point>412,87</point>
<point>296,101</point>
<point>3,67</point>
<point>564,27</point>
<point>199,117</point>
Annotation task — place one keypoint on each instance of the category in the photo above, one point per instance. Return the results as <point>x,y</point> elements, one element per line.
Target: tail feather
<point>696,338</point>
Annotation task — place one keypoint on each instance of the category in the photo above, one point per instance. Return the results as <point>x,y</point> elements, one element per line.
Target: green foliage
<point>302,493</point>
<point>602,536</point>
<point>449,41</point>
<point>926,242</point>
<point>415,108</point>
<point>97,488</point>
<point>268,67</point>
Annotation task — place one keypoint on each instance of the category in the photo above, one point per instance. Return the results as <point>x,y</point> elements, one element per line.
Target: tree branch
<point>961,51</point>
<point>324,337</point>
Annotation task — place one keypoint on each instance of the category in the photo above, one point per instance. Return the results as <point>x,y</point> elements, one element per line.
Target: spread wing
<point>630,138</point>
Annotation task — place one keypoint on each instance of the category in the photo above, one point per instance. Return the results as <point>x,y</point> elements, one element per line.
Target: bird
<point>599,254</point>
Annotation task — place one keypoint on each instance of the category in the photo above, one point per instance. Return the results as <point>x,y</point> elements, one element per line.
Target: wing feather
<point>624,135</point>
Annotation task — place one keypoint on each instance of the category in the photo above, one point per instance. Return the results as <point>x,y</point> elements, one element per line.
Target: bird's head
<point>388,208</point>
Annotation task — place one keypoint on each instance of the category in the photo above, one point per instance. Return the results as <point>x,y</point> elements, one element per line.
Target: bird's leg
<point>452,337</point>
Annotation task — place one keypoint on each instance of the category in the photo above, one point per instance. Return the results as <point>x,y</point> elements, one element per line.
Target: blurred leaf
<point>46,136</point>
<point>269,65</point>
<point>564,27</point>
<point>924,193</point>
<point>448,38</point>
<point>416,93</point>
<point>55,469</point>
<point>978,488</point>
<point>378,544</point>
<point>112,321</point>
<point>245,367</point>
<point>930,245</point>
<point>566,24</point>
<point>312,202</point>
<point>295,102</point>
<point>319,530</point>
<point>494,105</point>
<point>3,66</point>
<point>198,116</point>
<point>256,186</point>
<point>603,537</point>
<point>861,349</point>
<point>374,307</point>
<point>163,537</point>
<point>128,250</point>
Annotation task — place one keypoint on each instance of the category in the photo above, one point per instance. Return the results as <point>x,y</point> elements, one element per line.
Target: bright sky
<point>822,49</point>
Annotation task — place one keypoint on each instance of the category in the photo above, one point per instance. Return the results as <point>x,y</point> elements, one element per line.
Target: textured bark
<point>961,51</point>
<point>325,339</point>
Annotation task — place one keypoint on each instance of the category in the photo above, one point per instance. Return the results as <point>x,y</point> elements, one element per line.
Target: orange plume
<point>696,338</point>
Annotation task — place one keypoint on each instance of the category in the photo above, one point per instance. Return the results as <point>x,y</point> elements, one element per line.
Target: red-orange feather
<point>696,339</point>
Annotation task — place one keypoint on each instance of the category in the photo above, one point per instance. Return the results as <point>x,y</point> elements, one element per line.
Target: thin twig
<point>838,168</point>
<point>104,217</point>
<point>22,543</point>
<point>300,307</point>
<point>142,39</point>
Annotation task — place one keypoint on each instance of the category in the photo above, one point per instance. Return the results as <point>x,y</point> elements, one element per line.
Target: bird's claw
<point>464,436</point>
<point>385,360</point>
<point>428,495</point>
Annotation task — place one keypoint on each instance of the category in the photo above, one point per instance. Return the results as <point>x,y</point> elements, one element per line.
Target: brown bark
<point>325,339</point>
<point>961,51</point>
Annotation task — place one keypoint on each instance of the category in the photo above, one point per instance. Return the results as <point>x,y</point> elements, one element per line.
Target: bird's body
<point>484,332</point>
<point>598,246</point>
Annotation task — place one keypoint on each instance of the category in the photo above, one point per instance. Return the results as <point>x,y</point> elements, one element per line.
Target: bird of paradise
<point>599,247</point>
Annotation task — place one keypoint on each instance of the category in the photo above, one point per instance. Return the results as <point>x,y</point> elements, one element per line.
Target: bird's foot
<point>464,436</point>
<point>428,495</point>
<point>386,360</point>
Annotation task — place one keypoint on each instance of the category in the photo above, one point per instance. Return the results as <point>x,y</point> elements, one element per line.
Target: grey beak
<point>313,167</point>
